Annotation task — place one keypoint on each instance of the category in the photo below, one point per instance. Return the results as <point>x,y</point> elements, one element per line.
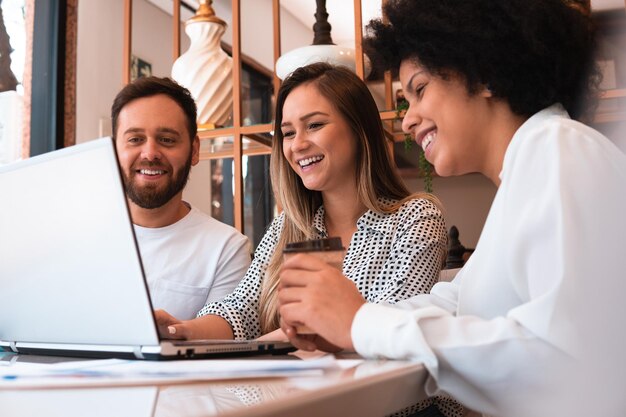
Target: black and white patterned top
<point>391,257</point>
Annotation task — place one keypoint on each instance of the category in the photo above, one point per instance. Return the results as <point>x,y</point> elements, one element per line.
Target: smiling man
<point>190,259</point>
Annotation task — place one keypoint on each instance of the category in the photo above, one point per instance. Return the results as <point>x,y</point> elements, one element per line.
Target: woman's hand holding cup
<point>314,293</point>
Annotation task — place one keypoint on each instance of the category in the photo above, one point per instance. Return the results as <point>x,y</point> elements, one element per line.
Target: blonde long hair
<point>375,175</point>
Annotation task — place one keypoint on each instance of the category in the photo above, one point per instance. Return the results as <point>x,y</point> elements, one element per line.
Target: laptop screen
<point>69,265</point>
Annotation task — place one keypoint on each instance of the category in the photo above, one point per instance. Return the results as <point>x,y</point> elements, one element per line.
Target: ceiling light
<point>322,50</point>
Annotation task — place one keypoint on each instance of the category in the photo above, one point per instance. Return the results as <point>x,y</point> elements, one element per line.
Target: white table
<point>373,388</point>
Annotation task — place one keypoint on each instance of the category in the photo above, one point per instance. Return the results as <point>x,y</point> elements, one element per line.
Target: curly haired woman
<point>494,87</point>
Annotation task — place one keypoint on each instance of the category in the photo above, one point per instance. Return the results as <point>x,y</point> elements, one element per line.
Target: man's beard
<point>150,196</point>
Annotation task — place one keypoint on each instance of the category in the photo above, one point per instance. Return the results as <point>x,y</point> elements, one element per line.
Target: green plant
<point>425,167</point>
<point>427,171</point>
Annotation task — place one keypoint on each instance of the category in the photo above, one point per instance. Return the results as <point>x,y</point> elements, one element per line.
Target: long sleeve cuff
<point>382,331</point>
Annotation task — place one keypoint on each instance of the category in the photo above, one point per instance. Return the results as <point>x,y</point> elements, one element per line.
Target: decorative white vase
<point>205,69</point>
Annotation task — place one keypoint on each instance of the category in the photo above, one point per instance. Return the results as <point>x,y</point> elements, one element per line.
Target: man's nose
<point>151,150</point>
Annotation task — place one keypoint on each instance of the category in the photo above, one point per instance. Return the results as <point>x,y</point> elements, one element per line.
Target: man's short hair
<point>151,86</point>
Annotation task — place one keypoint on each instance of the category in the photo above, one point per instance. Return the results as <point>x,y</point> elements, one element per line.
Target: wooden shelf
<point>218,143</point>
<point>615,93</point>
<point>611,107</point>
<point>239,140</point>
<point>223,147</point>
<point>610,117</point>
<point>251,130</point>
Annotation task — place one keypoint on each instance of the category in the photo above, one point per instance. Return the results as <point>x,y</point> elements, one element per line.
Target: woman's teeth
<point>428,139</point>
<point>308,161</point>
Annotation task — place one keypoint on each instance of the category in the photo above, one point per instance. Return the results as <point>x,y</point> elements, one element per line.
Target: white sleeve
<point>565,227</point>
<point>444,295</point>
<point>233,264</point>
<point>481,363</point>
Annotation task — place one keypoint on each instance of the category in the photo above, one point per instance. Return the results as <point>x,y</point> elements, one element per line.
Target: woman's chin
<point>439,169</point>
<point>443,171</point>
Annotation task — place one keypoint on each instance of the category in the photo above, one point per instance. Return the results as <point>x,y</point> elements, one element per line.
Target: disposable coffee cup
<point>329,250</point>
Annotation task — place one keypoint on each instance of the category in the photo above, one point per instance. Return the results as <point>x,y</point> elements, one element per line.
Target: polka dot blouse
<point>392,256</point>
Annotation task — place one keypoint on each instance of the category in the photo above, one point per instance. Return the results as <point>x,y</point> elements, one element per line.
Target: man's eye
<point>168,141</point>
<point>134,139</point>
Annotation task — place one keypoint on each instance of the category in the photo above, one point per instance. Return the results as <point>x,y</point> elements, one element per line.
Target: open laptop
<point>71,277</point>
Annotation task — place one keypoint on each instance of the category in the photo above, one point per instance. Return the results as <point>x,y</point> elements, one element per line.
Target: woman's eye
<point>289,134</point>
<point>419,91</point>
<point>315,125</point>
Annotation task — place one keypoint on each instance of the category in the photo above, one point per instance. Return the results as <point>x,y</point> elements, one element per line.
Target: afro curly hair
<point>531,53</point>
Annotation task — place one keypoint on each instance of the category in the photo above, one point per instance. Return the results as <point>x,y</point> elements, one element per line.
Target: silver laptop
<point>71,278</point>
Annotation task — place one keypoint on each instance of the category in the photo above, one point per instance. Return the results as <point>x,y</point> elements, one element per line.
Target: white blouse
<point>392,256</point>
<point>537,292</point>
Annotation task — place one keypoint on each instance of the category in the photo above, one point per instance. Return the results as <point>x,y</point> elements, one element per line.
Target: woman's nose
<point>299,143</point>
<point>411,120</point>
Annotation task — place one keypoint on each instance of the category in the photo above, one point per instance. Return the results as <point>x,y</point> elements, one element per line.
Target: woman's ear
<point>486,91</point>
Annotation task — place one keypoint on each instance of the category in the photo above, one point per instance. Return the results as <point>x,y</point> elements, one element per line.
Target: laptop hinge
<point>13,347</point>
<point>137,352</point>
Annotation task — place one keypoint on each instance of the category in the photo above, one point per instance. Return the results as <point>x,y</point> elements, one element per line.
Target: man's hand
<point>315,294</point>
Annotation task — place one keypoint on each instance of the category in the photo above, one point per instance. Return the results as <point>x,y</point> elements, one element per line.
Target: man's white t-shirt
<point>195,261</point>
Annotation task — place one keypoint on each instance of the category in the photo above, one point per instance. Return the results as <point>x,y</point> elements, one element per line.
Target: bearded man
<point>189,258</point>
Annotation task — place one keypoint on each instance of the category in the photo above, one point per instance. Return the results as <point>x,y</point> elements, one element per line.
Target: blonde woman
<point>332,173</point>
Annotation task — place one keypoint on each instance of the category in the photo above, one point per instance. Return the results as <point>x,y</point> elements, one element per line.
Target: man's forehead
<point>160,114</point>
<point>156,104</point>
